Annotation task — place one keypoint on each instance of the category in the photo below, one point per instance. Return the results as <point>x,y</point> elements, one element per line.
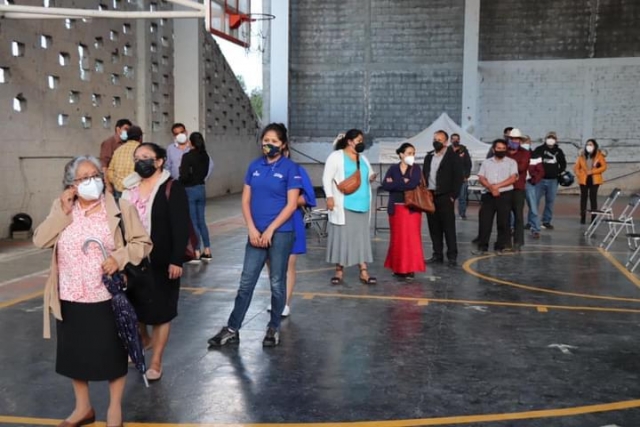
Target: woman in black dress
<point>164,212</point>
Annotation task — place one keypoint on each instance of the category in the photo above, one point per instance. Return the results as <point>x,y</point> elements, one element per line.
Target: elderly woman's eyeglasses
<point>86,178</point>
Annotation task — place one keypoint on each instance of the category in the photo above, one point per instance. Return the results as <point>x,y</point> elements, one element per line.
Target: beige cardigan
<point>46,236</point>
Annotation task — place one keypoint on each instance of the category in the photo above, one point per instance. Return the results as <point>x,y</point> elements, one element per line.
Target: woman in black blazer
<point>163,209</point>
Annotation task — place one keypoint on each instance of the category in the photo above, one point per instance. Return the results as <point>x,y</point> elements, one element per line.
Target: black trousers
<point>590,191</point>
<point>517,207</point>
<point>490,208</point>
<point>442,226</point>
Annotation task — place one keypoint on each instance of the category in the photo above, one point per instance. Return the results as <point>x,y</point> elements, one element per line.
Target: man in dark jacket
<point>554,164</point>
<point>465,162</point>
<point>443,175</point>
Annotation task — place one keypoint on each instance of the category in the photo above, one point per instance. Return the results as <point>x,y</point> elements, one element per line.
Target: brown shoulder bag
<point>420,198</point>
<point>352,183</point>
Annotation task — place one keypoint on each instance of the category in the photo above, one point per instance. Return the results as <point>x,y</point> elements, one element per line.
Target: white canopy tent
<point>423,142</point>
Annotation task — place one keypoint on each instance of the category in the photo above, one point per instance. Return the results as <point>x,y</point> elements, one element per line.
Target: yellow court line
<point>468,263</point>
<point>436,300</point>
<point>440,421</point>
<point>24,298</point>
<point>617,264</point>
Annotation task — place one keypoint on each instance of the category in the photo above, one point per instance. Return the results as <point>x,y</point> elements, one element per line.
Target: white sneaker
<point>269,308</point>
<point>286,312</point>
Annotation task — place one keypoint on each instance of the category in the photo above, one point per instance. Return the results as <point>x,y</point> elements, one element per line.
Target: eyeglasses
<point>86,178</point>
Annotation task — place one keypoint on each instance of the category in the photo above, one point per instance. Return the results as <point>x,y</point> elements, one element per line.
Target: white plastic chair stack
<point>624,221</point>
<point>605,212</point>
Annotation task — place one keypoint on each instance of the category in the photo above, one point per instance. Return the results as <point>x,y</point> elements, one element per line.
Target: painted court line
<point>28,276</point>
<point>418,301</point>
<point>617,264</point>
<point>468,263</point>
<point>440,421</point>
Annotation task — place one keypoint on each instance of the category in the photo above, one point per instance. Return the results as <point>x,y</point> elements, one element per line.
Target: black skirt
<point>89,348</point>
<point>155,301</point>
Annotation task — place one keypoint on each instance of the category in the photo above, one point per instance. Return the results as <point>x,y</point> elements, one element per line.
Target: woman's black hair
<point>279,129</point>
<point>404,147</point>
<point>595,148</point>
<point>197,140</point>
<point>498,141</point>
<point>159,152</point>
<point>351,134</point>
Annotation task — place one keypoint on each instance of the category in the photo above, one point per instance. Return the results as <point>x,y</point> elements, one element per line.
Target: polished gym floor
<point>545,337</point>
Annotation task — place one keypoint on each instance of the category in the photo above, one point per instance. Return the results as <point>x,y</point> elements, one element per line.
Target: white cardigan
<point>334,172</point>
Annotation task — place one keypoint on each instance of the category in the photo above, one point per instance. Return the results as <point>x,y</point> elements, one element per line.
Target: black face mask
<point>359,147</point>
<point>145,168</point>
<point>455,143</point>
<point>437,145</point>
<point>500,154</point>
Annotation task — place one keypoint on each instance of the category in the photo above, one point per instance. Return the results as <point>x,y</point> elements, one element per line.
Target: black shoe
<point>547,226</point>
<point>206,257</point>
<point>409,277</point>
<point>505,251</point>
<point>527,227</point>
<point>434,260</point>
<point>452,263</point>
<point>582,221</point>
<point>224,337</point>
<point>272,338</point>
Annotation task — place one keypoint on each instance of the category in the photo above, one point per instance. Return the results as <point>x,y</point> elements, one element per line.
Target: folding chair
<point>625,220</point>
<point>605,212</point>
<point>381,206</point>
<point>474,189</point>
<point>317,218</point>
<point>634,259</point>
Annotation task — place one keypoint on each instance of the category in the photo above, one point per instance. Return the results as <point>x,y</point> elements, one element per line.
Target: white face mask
<point>181,138</point>
<point>526,146</point>
<point>124,136</point>
<point>410,160</point>
<point>589,149</point>
<point>550,142</point>
<point>91,189</point>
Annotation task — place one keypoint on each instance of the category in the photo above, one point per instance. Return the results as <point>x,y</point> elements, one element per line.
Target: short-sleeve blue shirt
<point>269,186</point>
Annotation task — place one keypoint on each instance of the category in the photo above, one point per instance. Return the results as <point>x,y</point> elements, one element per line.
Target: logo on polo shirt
<point>278,175</point>
<point>256,173</point>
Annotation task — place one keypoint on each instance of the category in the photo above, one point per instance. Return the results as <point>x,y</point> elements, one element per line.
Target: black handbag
<point>139,277</point>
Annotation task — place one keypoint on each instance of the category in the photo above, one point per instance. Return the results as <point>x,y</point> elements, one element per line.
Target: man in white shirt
<point>497,174</point>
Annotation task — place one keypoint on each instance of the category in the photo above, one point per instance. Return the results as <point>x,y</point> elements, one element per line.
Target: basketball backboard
<point>229,19</point>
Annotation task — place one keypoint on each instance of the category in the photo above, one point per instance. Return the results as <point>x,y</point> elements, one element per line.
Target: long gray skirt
<point>350,244</point>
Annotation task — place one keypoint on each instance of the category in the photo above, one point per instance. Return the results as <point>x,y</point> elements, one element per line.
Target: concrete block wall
<point>389,68</point>
<point>229,123</point>
<point>124,68</point>
<point>558,29</point>
<point>578,99</point>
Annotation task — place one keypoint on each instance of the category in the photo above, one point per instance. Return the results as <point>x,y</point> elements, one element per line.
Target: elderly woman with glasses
<point>88,345</point>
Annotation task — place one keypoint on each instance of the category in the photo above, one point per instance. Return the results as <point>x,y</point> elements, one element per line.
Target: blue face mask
<point>271,150</point>
<point>124,136</point>
<point>513,145</point>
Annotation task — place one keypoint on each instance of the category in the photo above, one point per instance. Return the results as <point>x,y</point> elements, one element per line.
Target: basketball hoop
<point>237,19</point>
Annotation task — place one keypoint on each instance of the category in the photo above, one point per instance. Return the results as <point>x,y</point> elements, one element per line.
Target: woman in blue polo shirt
<point>269,198</point>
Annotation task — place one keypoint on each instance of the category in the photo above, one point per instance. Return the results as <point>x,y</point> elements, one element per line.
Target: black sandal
<point>336,280</point>
<point>369,281</point>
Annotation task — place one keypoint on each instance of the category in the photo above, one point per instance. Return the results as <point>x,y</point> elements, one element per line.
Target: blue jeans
<point>462,199</point>
<point>254,260</point>
<point>531,196</point>
<point>197,200</point>
<point>547,188</point>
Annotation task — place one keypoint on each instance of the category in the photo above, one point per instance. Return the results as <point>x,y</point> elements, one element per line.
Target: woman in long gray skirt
<point>349,241</point>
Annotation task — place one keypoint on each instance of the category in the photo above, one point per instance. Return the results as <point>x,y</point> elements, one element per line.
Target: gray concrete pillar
<point>279,63</point>
<point>187,73</point>
<point>470,72</point>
